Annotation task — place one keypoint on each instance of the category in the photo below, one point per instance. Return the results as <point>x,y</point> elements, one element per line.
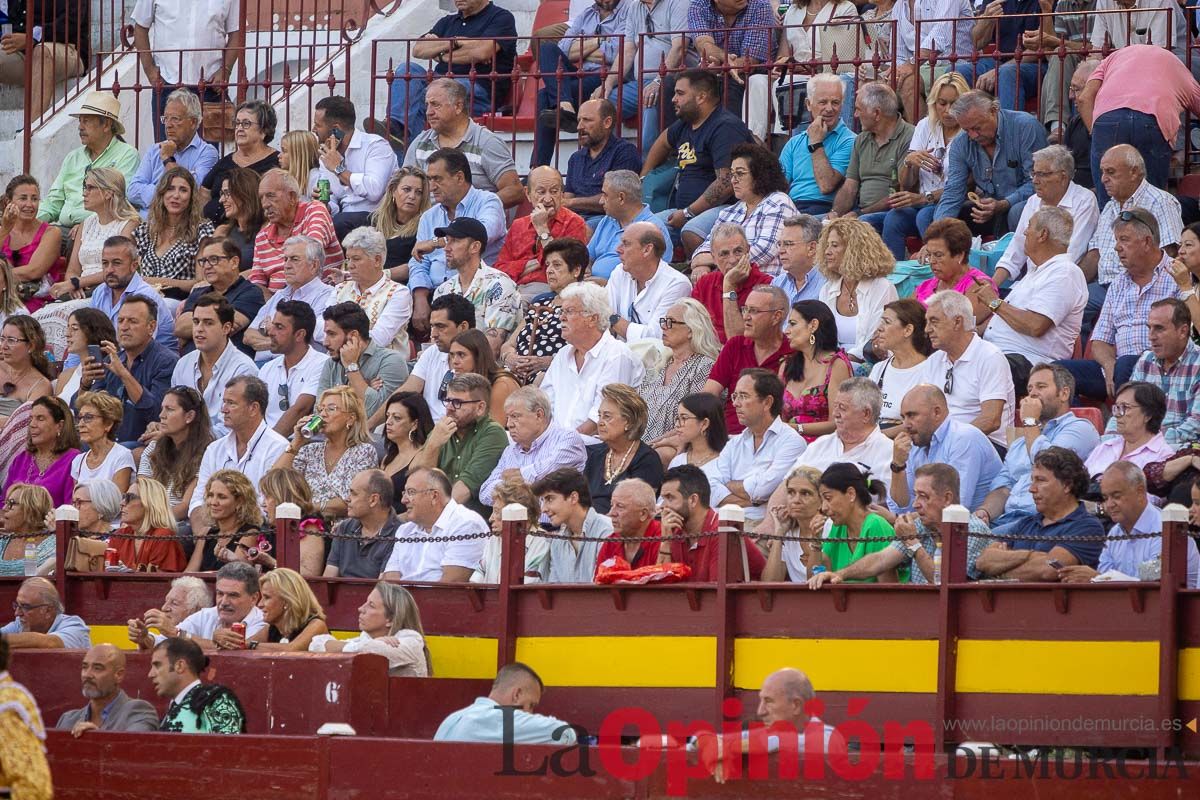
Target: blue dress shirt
<point>429,271</point>
<point>1005,175</point>
<point>197,158</point>
<point>1067,431</point>
<point>602,247</point>
<point>968,450</point>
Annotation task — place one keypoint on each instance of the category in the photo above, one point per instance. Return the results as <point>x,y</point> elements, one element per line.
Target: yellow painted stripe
<point>1041,667</point>
<point>1189,673</point>
<point>624,661</point>
<point>841,665</point>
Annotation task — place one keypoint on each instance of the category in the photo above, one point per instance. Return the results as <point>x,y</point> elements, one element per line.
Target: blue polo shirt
<point>797,162</point>
<point>493,22</point>
<point>602,247</point>
<point>1079,523</point>
<point>72,630</point>
<point>585,175</point>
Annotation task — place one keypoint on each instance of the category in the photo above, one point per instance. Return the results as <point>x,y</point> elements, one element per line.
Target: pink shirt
<point>930,286</point>
<point>1108,452</point>
<point>1126,82</point>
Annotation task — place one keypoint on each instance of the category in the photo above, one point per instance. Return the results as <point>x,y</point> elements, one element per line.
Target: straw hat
<point>103,104</point>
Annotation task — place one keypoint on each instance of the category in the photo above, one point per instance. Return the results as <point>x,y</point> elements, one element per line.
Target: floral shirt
<point>498,304</point>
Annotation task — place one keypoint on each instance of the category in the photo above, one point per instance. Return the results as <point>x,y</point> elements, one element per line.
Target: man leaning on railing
<point>60,31</point>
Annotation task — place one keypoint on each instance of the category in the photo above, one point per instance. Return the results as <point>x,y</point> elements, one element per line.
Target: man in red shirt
<point>724,291</point>
<point>523,255</point>
<point>761,345</point>
<point>685,498</point>
<point>286,216</point>
<point>632,512</point>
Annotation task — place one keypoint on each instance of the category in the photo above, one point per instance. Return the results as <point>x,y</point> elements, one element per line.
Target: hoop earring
<point>812,338</point>
<point>412,436</point>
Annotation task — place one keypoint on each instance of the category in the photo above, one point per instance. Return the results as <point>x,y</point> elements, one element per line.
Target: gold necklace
<point>609,472</point>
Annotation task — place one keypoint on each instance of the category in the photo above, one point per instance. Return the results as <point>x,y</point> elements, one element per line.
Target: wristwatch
<point>913,546</point>
<point>340,168</point>
<point>929,197</point>
<point>729,296</point>
<point>1030,422</point>
<point>352,367</point>
<point>898,468</point>
<point>995,304</point>
<point>545,237</point>
<point>815,146</point>
<point>688,214</point>
<point>612,320</point>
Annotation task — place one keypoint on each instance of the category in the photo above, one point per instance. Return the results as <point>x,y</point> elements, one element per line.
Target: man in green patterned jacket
<point>196,707</point>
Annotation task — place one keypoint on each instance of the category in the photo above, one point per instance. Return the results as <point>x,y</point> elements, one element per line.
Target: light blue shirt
<point>602,247</point>
<point>798,167</point>
<point>1067,431</point>
<point>588,23</point>
<point>557,447</point>
<point>430,271</point>
<point>968,450</point>
<point>484,721</point>
<point>811,290</point>
<point>197,158</point>
<point>1124,555</point>
<point>72,630</point>
<point>102,300</point>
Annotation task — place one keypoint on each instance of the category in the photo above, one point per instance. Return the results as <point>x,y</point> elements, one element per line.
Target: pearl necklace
<point>609,472</point>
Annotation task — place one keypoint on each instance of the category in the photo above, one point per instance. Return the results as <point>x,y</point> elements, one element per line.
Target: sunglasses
<point>130,497</point>
<point>948,386</point>
<point>285,400</point>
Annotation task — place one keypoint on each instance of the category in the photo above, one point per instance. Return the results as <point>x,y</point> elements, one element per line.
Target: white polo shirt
<point>204,623</point>
<point>575,393</point>
<point>1057,290</point>
<point>980,374</point>
<point>643,308</point>
<point>760,471</point>
<point>1080,203</point>
<point>424,561</point>
<point>301,379</point>
<point>875,451</point>
<point>261,451</point>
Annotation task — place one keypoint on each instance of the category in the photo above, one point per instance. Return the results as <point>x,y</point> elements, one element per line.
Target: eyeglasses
<point>87,418</point>
<point>165,120</point>
<point>25,608</point>
<point>415,492</point>
<point>13,340</point>
<point>455,403</point>
<point>1121,409</point>
<point>741,397</point>
<point>1038,174</point>
<point>682,418</point>
<point>285,399</point>
<point>325,411</point>
<point>210,261</point>
<point>10,504</point>
<point>1140,217</point>
<point>130,497</point>
<point>948,386</point>
<point>739,173</point>
<point>224,193</point>
<point>244,124</point>
<point>666,323</point>
<point>747,311</point>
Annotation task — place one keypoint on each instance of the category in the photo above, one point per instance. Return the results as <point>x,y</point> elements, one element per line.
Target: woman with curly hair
<point>855,264</point>
<point>233,505</point>
<point>400,209</point>
<point>179,440</point>
<point>762,205</point>
<point>168,240</point>
<point>243,213</point>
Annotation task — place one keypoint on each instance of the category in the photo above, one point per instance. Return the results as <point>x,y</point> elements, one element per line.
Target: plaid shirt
<point>1122,321</point>
<point>752,34</point>
<point>762,227</point>
<point>1163,206</point>
<point>1181,385</point>
<point>975,545</point>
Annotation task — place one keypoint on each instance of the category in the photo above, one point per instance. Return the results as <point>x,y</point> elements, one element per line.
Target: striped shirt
<point>751,34</point>
<point>488,154</point>
<point>1181,384</point>
<point>312,219</point>
<point>1122,321</point>
<point>1163,206</point>
<point>763,226</point>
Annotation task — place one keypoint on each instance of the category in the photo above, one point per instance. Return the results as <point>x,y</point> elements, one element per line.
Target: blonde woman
<point>789,561</point>
<point>400,209</point>
<point>689,335</point>
<point>923,171</point>
<point>291,611</point>
<point>288,486</point>
<point>145,511</point>
<point>390,625</point>
<point>233,505</point>
<point>329,466</point>
<point>855,264</point>
<point>169,239</point>
<point>298,153</point>
<point>537,548</point>
<point>111,215</point>
<point>24,515</point>
<point>97,420</point>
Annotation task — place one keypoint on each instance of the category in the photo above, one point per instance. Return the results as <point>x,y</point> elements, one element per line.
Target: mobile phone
<point>95,353</point>
<point>338,133</point>
<point>1055,563</point>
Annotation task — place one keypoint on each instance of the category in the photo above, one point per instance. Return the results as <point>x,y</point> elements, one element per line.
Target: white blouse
<point>872,295</point>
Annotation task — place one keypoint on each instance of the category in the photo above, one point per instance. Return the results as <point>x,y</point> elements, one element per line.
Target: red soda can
<point>110,557</point>
<point>240,629</point>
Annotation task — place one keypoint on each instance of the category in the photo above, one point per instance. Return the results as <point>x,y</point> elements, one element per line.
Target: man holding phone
<point>139,373</point>
<point>357,164</point>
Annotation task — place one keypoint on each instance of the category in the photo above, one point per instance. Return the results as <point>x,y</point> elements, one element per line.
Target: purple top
<point>56,479</point>
<point>930,286</point>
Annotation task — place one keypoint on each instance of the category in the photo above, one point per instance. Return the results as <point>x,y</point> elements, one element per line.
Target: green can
<point>312,427</point>
<point>323,190</point>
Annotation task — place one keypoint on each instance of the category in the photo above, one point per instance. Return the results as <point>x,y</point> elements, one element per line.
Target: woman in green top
<point>845,500</point>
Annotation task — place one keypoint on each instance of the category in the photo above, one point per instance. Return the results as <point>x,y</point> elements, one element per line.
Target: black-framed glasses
<point>210,261</point>
<point>12,340</point>
<point>25,608</point>
<point>666,323</point>
<point>409,493</point>
<point>455,403</point>
<point>285,399</point>
<point>87,417</point>
<point>948,386</point>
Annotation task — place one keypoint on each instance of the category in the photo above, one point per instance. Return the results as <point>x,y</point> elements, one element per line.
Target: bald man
<point>522,257</point>
<point>782,708</point>
<point>929,436</point>
<point>108,708</point>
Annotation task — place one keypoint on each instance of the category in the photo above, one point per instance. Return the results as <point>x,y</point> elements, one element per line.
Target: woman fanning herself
<point>146,512</point>
<point>390,625</point>
<point>815,369</point>
<point>845,500</point>
<point>233,504</point>
<point>788,561</point>
<point>291,611</point>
